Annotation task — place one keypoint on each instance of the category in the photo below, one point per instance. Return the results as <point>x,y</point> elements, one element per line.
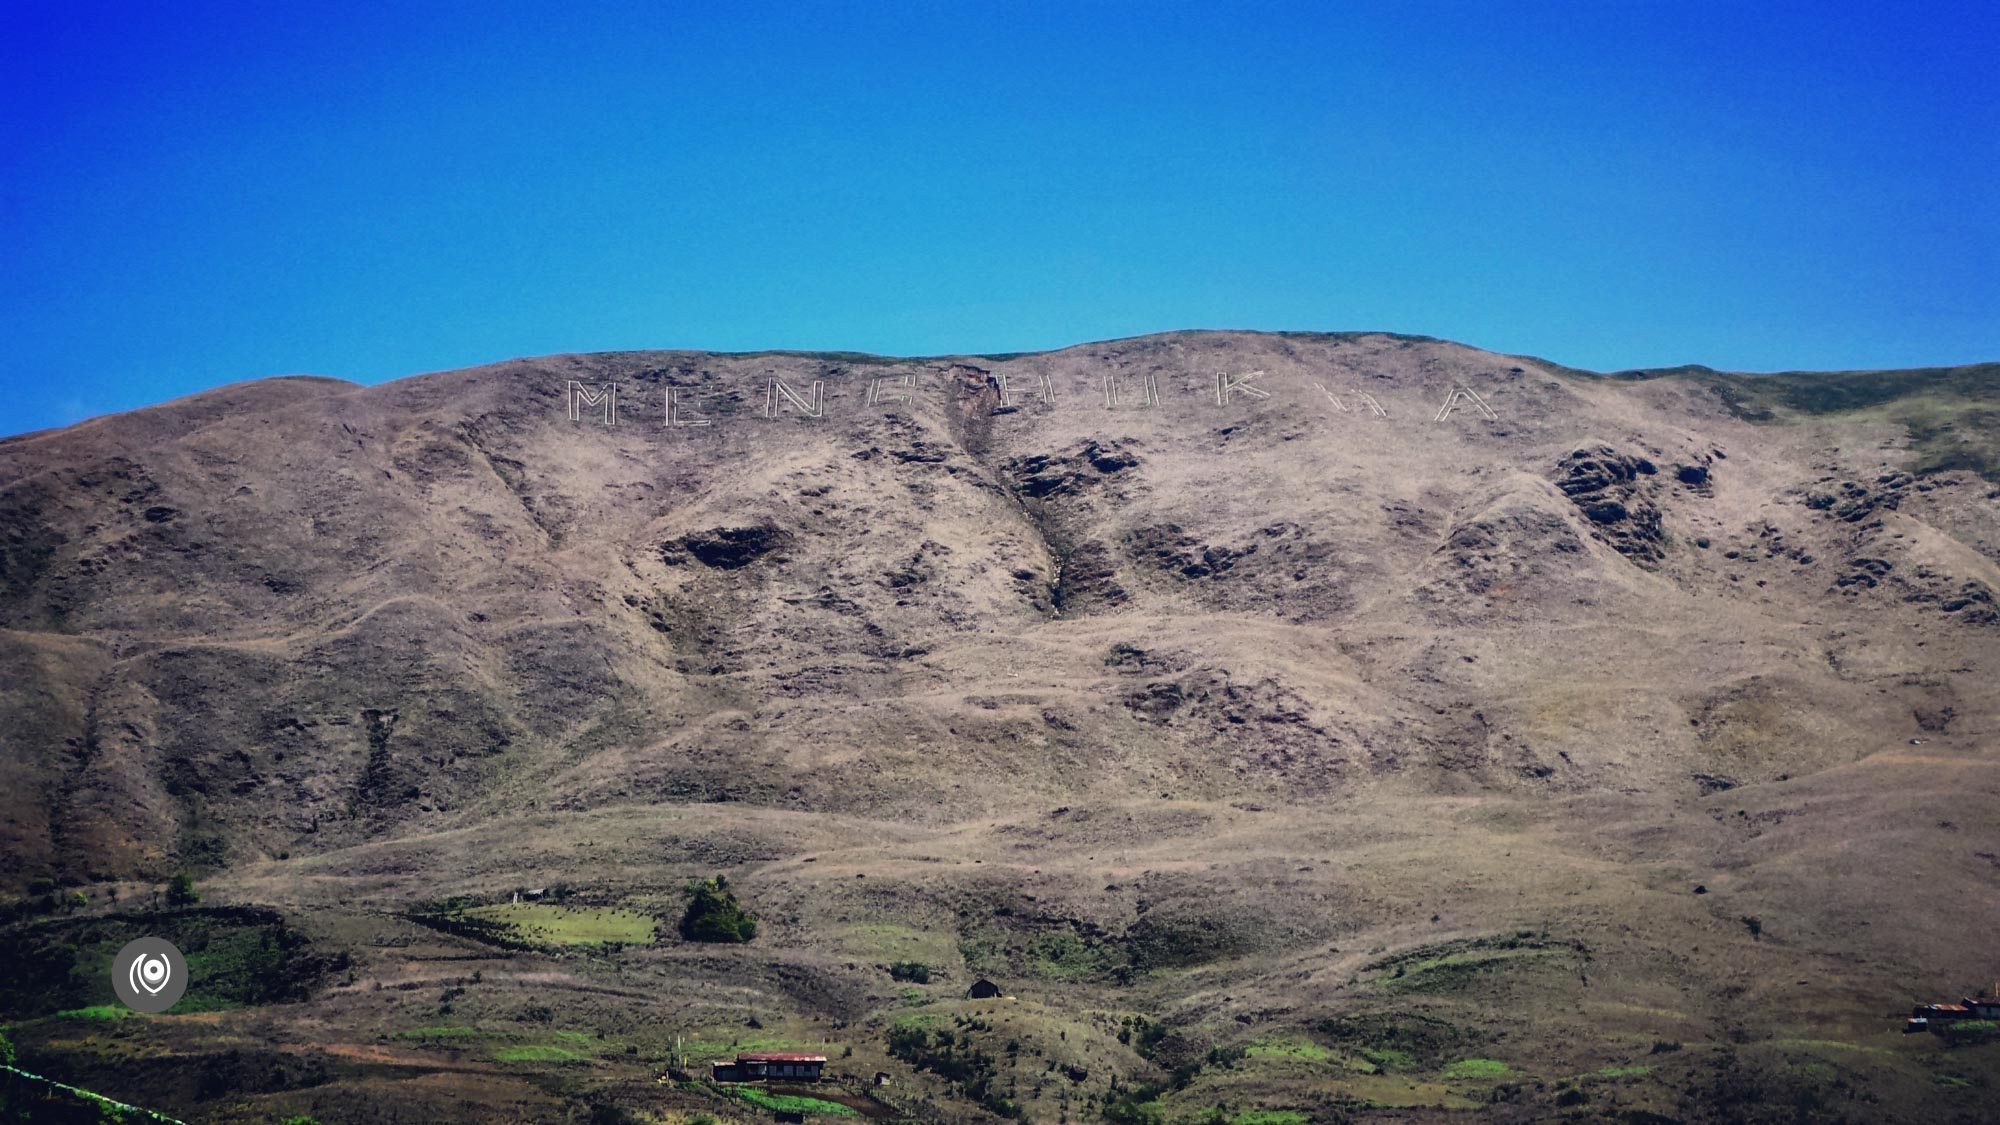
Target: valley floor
<point>1743,955</point>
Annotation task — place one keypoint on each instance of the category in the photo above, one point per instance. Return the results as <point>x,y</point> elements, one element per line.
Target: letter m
<point>583,399</point>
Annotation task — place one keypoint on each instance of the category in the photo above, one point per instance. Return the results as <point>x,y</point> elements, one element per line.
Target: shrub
<point>915,972</point>
<point>1142,1034</point>
<point>953,1058</point>
<point>714,915</point>
<point>180,890</point>
<point>1225,1058</point>
<point>1137,1106</point>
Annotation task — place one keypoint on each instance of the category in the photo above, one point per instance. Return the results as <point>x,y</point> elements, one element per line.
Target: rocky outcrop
<point>1052,474</point>
<point>1612,491</point>
<point>724,548</point>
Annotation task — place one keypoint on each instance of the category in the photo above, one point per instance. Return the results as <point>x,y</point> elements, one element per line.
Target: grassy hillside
<point>1296,727</point>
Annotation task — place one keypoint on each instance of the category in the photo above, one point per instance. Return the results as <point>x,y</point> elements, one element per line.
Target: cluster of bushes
<point>1141,1034</point>
<point>46,896</point>
<point>236,955</point>
<point>916,972</point>
<point>956,1059</point>
<point>1135,1105</point>
<point>713,914</point>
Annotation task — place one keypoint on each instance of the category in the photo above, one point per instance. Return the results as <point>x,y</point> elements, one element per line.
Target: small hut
<point>982,989</point>
<point>767,1066</point>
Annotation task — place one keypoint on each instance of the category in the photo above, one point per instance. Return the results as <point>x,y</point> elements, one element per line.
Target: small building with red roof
<point>765,1066</point>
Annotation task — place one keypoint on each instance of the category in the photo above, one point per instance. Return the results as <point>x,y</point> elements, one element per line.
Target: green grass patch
<point>793,1103</point>
<point>1302,1049</point>
<point>1952,414</point>
<point>1477,1068</point>
<point>1389,1058</point>
<point>97,1012</point>
<point>1452,965</point>
<point>1268,1117</point>
<point>1456,970</point>
<point>1971,1031</point>
<point>540,1053</point>
<point>721,1048</point>
<point>1623,1071</point>
<point>542,923</point>
<point>449,1034</point>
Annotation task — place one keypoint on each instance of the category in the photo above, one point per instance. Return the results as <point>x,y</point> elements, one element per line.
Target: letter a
<point>1462,396</point>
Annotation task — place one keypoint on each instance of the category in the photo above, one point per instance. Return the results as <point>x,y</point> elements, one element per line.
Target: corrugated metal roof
<point>780,1056</point>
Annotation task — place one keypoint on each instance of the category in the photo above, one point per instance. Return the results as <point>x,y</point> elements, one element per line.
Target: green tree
<point>6,1050</point>
<point>713,913</point>
<point>180,890</point>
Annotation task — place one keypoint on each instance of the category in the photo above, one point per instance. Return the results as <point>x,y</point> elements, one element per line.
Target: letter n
<point>778,392</point>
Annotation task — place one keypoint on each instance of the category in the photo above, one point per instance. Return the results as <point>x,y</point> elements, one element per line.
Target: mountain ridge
<point>1198,676</point>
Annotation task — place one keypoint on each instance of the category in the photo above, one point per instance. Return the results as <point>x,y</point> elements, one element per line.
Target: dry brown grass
<point>1213,717</point>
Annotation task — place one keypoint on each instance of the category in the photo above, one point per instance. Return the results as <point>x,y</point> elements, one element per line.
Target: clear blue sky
<point>193,197</point>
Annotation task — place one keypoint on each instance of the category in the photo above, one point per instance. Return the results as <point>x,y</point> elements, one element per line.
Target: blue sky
<point>192,198</point>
